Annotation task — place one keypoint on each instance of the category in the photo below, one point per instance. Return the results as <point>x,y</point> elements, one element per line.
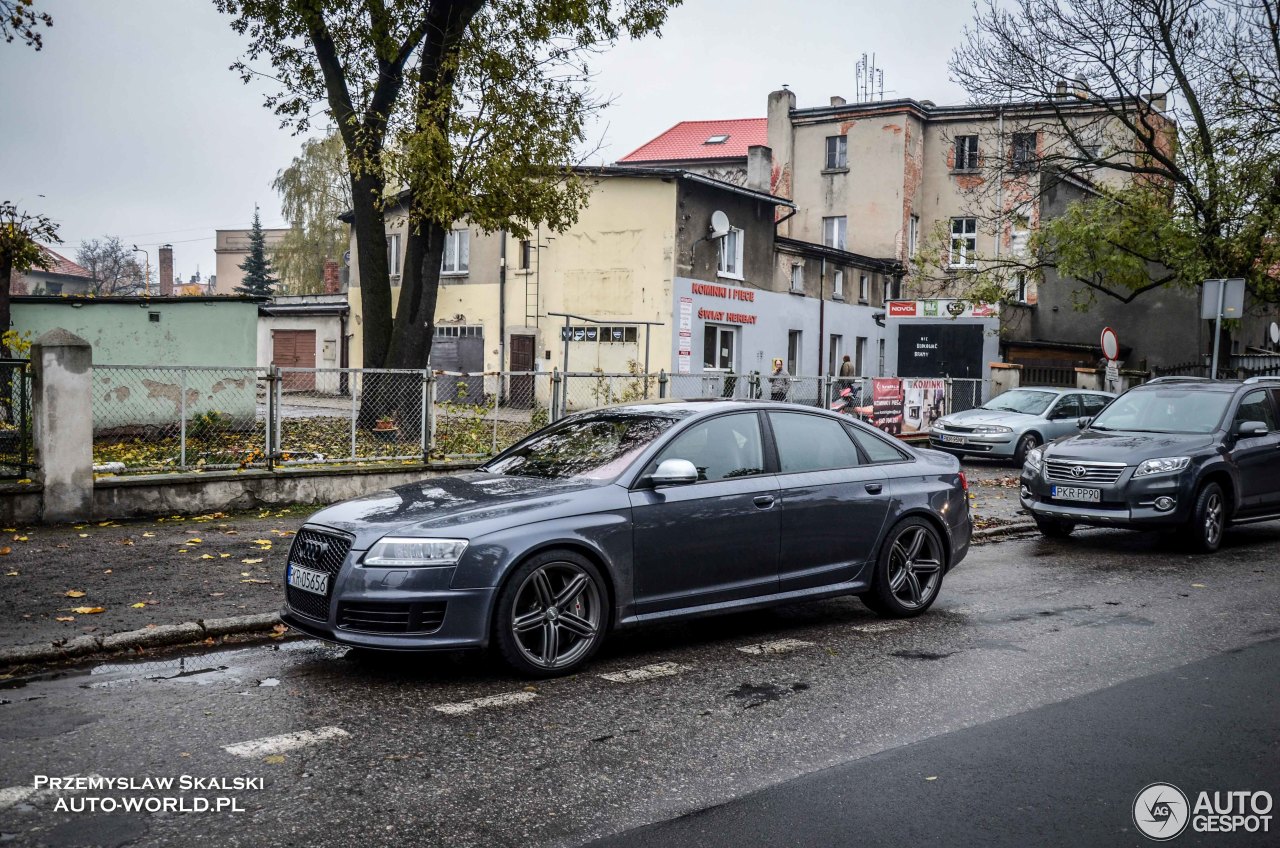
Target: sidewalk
<point>65,588</point>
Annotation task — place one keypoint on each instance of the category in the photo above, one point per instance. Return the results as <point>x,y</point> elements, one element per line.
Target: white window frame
<point>860,356</point>
<point>964,243</point>
<point>720,331</point>
<point>1018,287</point>
<point>864,288</point>
<point>393,254</point>
<point>838,283</point>
<point>972,159</point>
<point>731,247</point>
<point>913,235</point>
<point>1019,233</point>
<point>840,160</point>
<point>797,277</point>
<point>835,231</point>
<point>456,261</point>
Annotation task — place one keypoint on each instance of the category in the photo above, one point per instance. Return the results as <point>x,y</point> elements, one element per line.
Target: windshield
<point>1164,411</point>
<point>1021,400</point>
<point>598,447</point>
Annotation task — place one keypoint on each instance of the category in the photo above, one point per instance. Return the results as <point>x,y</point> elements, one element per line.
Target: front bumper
<point>1129,502</point>
<point>977,444</point>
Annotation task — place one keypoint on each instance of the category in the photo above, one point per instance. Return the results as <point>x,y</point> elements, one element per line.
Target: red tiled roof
<point>688,140</point>
<point>60,264</point>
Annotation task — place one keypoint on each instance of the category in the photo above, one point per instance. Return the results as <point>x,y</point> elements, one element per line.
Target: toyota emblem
<point>1077,471</point>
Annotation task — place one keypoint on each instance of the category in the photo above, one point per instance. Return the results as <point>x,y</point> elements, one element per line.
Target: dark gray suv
<point>1184,453</point>
<point>628,515</point>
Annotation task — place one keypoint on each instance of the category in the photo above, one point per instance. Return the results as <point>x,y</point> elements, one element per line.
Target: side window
<point>1068,406</point>
<point>722,448</point>
<point>1093,404</point>
<point>1256,406</point>
<point>811,442</point>
<point>876,448</point>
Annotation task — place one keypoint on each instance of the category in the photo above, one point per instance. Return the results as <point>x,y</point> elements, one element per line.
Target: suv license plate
<point>308,580</point>
<point>1074,493</point>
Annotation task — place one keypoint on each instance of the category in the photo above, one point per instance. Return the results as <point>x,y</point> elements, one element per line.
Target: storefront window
<point>717,348</point>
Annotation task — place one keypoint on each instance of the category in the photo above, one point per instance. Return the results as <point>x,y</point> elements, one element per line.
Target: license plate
<point>308,580</point>
<point>951,440</point>
<point>1074,493</point>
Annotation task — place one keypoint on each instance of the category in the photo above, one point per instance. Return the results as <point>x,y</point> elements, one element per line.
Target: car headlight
<point>941,424</point>
<point>398,552</point>
<point>1035,457</point>
<point>1163,465</point>
<point>992,428</point>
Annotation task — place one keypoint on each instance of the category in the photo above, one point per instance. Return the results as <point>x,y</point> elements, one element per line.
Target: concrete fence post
<point>62,413</point>
<point>1004,376</point>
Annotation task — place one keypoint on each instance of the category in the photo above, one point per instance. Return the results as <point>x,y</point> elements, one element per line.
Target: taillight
<point>964,482</point>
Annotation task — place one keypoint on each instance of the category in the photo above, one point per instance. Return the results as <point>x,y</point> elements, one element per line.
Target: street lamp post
<point>146,280</point>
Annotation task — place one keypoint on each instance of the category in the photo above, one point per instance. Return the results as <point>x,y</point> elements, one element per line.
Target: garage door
<point>295,349</point>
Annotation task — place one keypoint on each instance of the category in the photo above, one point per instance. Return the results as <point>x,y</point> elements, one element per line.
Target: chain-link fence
<point>481,414</point>
<point>16,459</point>
<point>964,394</point>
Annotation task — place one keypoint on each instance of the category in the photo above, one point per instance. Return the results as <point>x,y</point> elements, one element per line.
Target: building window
<point>526,254</point>
<point>1019,234</point>
<point>457,331</point>
<point>833,232</point>
<point>717,348</point>
<point>966,153</point>
<point>716,139</point>
<point>797,278</point>
<point>731,254</point>
<point>894,288</point>
<point>880,368</point>
<point>838,293</point>
<point>1018,287</point>
<point>457,252</point>
<point>834,354</point>
<point>393,254</point>
<point>1023,152</point>
<point>864,288</point>
<point>964,242</point>
<point>617,335</point>
<point>913,235</point>
<point>837,152</point>
<point>860,356</point>
<point>794,338</point>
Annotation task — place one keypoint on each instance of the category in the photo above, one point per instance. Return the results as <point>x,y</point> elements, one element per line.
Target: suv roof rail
<point>1177,379</point>
<point>1265,378</point>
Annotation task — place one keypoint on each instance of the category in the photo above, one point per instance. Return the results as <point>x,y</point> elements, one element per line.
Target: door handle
<point>874,488</point>
<point>763,501</point>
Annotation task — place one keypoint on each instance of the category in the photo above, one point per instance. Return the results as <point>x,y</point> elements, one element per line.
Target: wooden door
<point>295,349</point>
<point>520,388</point>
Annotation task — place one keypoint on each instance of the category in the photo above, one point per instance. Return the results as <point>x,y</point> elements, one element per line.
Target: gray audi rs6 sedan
<point>632,514</point>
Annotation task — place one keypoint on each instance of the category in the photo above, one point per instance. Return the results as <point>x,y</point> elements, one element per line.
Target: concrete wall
<point>190,331</point>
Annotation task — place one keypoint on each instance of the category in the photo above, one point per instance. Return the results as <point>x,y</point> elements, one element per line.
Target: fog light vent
<point>1026,493</point>
<point>1164,503</point>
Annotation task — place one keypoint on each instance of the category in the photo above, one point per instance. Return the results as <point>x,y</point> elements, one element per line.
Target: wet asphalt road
<point>1016,676</point>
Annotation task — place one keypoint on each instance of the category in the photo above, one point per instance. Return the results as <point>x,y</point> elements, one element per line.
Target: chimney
<point>837,100</point>
<point>332,279</point>
<point>759,167</point>
<point>166,270</point>
<point>1060,90</point>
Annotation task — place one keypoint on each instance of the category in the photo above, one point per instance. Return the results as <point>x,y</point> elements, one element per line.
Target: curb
<point>1004,530</point>
<point>148,637</point>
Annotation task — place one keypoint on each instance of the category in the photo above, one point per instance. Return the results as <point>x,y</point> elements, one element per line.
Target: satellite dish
<point>719,224</point>
<point>1275,333</point>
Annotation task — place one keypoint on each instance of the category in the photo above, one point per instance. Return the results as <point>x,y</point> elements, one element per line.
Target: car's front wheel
<point>908,572</point>
<point>552,614</point>
<point>1026,443</point>
<point>1208,519</point>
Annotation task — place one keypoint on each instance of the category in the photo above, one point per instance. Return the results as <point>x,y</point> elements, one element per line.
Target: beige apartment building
<point>231,248</point>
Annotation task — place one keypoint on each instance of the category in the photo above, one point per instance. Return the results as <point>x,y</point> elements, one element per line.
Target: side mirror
<point>675,472</point>
<point>1083,421</point>
<point>1250,429</point>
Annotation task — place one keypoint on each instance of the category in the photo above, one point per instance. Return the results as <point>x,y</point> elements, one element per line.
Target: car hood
<point>974,417</point>
<point>1127,447</point>
<point>466,505</point>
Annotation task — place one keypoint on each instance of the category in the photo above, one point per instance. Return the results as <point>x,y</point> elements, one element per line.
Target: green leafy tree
<point>259,277</point>
<point>1177,191</point>
<point>314,190</point>
<point>20,251</point>
<point>20,20</point>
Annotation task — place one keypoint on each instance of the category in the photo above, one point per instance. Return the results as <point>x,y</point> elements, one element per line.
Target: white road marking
<point>504,700</point>
<point>645,672</point>
<point>779,646</point>
<point>284,742</point>
<point>11,796</point>
<point>880,626</point>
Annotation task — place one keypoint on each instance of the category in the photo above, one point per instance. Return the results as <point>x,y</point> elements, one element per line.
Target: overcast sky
<point>129,123</point>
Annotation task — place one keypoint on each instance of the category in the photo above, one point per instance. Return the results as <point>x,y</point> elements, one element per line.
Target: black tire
<point>891,594</point>
<point>1208,521</point>
<point>1026,442</point>
<point>522,600</point>
<point>1054,528</point>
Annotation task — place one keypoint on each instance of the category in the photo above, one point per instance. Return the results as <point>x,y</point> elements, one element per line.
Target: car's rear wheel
<point>908,572</point>
<point>1208,519</point>
<point>1026,443</point>
<point>1054,528</point>
<point>552,614</point>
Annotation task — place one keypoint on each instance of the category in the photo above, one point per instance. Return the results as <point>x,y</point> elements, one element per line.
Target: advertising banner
<point>886,404</point>
<point>923,402</point>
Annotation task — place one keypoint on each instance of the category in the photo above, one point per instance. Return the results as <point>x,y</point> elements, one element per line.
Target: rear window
<point>877,448</point>
<point>811,443</point>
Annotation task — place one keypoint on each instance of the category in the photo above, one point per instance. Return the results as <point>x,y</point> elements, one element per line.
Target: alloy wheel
<point>1213,519</point>
<point>557,614</point>
<point>915,566</point>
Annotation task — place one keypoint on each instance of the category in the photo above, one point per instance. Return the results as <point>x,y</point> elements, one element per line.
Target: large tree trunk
<point>375,282</point>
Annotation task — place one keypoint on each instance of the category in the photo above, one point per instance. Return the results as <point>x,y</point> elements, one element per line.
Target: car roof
<point>1196,383</point>
<point>1062,390</point>
<point>689,406</point>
